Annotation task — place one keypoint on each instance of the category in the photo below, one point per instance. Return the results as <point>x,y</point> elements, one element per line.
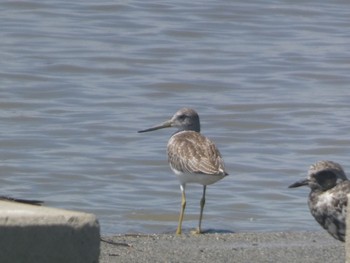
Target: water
<point>78,79</point>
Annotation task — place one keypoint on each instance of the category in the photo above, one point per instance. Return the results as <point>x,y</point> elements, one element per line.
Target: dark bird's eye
<point>182,116</point>
<point>326,179</point>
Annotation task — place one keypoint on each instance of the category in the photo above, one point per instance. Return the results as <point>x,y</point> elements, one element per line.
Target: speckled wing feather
<point>191,152</point>
<point>329,209</point>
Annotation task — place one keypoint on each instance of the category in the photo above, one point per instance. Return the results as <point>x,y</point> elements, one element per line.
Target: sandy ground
<point>217,247</point>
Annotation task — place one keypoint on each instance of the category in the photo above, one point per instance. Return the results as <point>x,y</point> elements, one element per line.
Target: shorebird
<point>328,197</point>
<point>192,157</point>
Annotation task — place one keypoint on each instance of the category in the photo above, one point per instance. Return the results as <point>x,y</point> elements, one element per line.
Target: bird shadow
<point>204,231</point>
<point>217,231</point>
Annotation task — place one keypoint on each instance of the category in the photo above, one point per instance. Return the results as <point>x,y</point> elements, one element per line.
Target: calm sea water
<point>270,81</point>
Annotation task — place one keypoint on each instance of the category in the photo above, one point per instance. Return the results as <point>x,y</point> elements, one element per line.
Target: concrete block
<point>30,233</point>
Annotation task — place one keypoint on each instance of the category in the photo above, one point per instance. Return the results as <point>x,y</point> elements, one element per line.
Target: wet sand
<point>218,247</point>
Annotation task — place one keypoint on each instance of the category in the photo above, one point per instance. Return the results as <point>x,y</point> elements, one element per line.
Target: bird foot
<point>196,231</point>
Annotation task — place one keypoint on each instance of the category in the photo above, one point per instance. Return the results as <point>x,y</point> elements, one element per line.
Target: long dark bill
<point>166,124</point>
<point>299,183</point>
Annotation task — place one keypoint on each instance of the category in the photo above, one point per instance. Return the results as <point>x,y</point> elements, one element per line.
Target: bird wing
<point>331,214</point>
<point>191,152</point>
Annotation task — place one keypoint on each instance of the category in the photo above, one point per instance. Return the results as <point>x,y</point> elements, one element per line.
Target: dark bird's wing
<point>24,201</point>
<point>331,209</point>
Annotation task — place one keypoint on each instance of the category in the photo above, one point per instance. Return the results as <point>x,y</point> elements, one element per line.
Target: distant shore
<point>283,247</point>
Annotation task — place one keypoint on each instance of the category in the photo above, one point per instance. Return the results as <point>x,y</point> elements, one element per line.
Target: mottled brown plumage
<point>192,156</point>
<point>191,152</point>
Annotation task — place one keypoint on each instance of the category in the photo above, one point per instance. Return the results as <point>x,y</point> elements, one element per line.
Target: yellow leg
<point>202,203</point>
<point>183,206</point>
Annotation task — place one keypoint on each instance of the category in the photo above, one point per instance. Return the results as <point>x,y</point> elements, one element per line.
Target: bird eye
<point>326,179</point>
<point>182,116</point>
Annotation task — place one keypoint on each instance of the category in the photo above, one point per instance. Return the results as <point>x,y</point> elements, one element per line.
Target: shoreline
<point>217,247</point>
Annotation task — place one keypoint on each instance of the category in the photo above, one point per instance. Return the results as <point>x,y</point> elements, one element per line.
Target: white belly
<point>203,179</point>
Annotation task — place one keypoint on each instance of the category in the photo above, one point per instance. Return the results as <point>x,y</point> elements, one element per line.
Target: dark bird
<point>328,197</point>
<point>192,157</point>
<point>23,201</point>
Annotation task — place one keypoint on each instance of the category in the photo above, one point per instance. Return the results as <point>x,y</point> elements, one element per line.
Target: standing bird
<point>192,157</point>
<point>328,197</point>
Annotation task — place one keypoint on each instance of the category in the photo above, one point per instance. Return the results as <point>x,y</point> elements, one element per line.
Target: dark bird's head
<point>185,119</point>
<point>322,176</point>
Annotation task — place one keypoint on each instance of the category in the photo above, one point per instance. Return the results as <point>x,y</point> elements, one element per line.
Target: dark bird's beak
<point>299,183</point>
<point>166,124</point>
